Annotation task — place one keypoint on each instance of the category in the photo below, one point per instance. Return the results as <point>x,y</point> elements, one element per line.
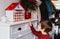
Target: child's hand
<point>29,20</point>
<point>30,23</point>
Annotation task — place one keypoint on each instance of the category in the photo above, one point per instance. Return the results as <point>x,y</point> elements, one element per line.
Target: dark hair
<point>47,27</point>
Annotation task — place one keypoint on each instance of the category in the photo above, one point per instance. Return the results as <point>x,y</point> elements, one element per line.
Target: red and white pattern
<point>18,16</point>
<point>15,12</point>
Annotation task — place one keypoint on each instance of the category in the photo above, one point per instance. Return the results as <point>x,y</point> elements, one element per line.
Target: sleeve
<point>49,37</point>
<point>34,31</point>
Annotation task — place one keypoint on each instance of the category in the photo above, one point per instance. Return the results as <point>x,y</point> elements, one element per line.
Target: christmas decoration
<point>28,5</point>
<point>27,15</point>
<point>15,12</point>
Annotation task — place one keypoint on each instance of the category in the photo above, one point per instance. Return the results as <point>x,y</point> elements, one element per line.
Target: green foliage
<point>28,4</point>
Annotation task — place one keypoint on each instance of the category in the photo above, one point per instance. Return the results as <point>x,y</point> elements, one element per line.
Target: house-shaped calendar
<point>15,12</point>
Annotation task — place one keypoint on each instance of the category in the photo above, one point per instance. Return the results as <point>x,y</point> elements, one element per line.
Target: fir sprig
<point>28,5</point>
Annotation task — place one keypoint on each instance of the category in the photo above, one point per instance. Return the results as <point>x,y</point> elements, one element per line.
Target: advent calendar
<point>15,12</point>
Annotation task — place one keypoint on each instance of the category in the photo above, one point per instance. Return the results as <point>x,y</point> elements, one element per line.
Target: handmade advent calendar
<point>15,12</point>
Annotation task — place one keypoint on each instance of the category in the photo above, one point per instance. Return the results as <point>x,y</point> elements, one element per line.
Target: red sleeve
<point>48,37</point>
<point>34,31</point>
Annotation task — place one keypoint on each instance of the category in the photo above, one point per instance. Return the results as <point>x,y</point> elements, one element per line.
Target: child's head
<point>46,26</point>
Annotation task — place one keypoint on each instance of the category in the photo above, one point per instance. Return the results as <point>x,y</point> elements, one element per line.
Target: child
<point>43,29</point>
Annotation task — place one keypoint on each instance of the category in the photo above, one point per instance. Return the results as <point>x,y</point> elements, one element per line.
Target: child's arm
<point>32,28</point>
<point>30,23</point>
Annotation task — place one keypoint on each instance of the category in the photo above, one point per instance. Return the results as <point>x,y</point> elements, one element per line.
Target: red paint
<point>12,6</point>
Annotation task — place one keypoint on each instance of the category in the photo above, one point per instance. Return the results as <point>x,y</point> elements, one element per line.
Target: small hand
<point>29,20</point>
<point>30,23</point>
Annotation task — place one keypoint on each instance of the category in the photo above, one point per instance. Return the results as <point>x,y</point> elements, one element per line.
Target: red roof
<point>12,6</point>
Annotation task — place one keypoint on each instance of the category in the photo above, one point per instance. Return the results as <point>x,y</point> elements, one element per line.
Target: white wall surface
<point>57,2</point>
<point>4,4</point>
